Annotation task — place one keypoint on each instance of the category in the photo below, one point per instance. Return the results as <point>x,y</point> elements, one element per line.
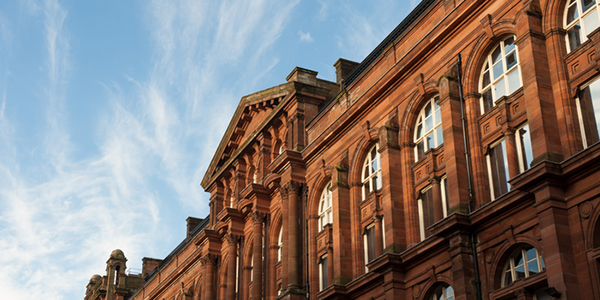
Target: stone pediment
<point>252,114</point>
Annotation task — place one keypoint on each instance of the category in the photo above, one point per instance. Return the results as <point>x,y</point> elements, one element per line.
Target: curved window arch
<point>325,211</point>
<point>428,128</point>
<point>580,19</point>
<point>500,75</point>
<point>371,173</point>
<point>443,292</point>
<point>522,263</point>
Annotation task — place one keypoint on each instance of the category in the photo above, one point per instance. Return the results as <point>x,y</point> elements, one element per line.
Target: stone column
<point>512,155</point>
<point>257,250</point>
<point>209,261</point>
<point>378,236</point>
<point>232,240</point>
<point>293,259</point>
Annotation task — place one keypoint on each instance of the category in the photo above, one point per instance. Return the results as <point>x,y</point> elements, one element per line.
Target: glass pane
<point>498,70</point>
<point>507,278</point>
<point>496,55</point>
<point>440,136</point>
<point>436,105</point>
<point>575,35</point>
<point>520,271</point>
<point>429,141</point>
<point>499,89</point>
<point>378,179</point>
<point>366,188</point>
<point>530,254</point>
<point>374,165</point>
<point>438,116</point>
<point>509,44</point>
<point>488,102</point>
<point>586,5</point>
<point>526,152</point>
<point>419,131</point>
<point>532,267</point>
<point>513,81</point>
<point>595,92</point>
<point>428,123</point>
<point>499,169</point>
<point>373,153</point>
<point>589,102</point>
<point>375,183</point>
<point>518,259</point>
<point>591,21</point>
<point>420,150</point>
<point>511,60</point>
<point>572,14</point>
<point>366,172</point>
<point>427,109</point>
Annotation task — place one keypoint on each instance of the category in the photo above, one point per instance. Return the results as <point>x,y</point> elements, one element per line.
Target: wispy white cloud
<point>305,37</point>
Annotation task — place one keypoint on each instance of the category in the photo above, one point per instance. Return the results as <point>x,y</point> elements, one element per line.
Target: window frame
<point>488,66</point>
<point>491,173</point>
<point>373,180</point>
<point>280,245</point>
<point>444,198</point>
<point>435,113</point>
<point>369,244</point>
<point>511,266</point>
<point>587,137</point>
<point>441,292</point>
<point>323,272</point>
<point>326,213</point>
<point>525,157</point>
<point>579,19</point>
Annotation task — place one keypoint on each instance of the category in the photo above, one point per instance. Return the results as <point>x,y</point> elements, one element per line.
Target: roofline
<point>407,22</point>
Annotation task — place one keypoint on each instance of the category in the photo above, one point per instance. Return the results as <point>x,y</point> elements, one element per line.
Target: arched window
<point>588,110</point>
<point>500,75</point>
<point>443,292</point>
<point>371,173</point>
<point>524,262</point>
<point>325,213</point>
<point>428,129</point>
<point>581,18</point>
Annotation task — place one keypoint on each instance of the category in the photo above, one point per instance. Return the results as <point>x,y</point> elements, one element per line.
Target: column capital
<point>258,217</point>
<point>232,238</point>
<point>209,259</point>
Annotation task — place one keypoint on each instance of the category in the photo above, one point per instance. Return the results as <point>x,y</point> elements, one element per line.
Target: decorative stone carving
<point>232,238</point>
<point>209,259</point>
<point>258,217</point>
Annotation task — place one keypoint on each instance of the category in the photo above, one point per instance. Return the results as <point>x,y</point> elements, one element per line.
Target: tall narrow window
<point>428,129</point>
<point>588,109</point>
<point>581,18</point>
<point>369,240</point>
<point>498,169</point>
<point>325,212</point>
<point>524,150</point>
<point>500,75</point>
<point>425,204</point>
<point>371,173</point>
<point>522,263</point>
<point>280,245</point>
<point>426,208</point>
<point>323,273</point>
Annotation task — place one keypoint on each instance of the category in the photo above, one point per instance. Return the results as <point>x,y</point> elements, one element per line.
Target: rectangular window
<point>425,204</point>
<point>588,108</point>
<point>369,240</point>
<point>498,170</point>
<point>323,274</point>
<point>524,150</point>
<point>445,204</point>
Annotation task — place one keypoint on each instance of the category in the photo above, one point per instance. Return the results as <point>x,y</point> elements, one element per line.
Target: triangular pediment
<point>252,114</point>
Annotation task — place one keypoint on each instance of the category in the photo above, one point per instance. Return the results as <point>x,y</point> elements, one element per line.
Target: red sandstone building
<point>416,175</point>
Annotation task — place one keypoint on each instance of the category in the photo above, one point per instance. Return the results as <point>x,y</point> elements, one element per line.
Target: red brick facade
<point>483,188</point>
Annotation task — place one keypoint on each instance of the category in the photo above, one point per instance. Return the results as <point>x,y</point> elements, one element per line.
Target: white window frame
<point>489,167</point>
<point>510,266</point>
<point>421,212</point>
<point>436,120</point>
<point>323,271</point>
<point>585,136</point>
<point>525,159</point>
<point>443,196</point>
<point>443,292</point>
<point>372,180</point>
<point>489,66</point>
<point>325,207</point>
<point>580,20</point>
<point>280,245</point>
<point>366,244</point>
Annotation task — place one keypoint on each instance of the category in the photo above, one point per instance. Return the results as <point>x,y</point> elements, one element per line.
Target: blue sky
<point>110,112</point>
